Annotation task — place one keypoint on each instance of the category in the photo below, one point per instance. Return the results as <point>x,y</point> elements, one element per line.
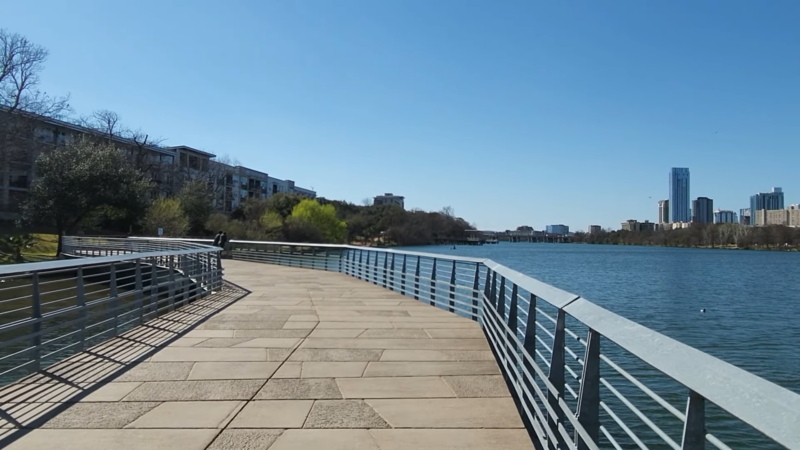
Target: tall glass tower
<point>679,195</point>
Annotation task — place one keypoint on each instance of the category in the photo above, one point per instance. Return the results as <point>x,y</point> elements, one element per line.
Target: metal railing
<point>582,377</point>
<point>51,310</point>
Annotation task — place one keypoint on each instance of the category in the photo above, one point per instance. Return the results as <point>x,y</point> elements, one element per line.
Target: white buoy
<point>703,310</point>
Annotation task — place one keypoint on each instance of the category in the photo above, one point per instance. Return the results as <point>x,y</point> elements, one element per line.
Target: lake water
<point>752,298</point>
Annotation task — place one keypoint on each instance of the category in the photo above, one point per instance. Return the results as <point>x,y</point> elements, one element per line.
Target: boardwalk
<point>305,360</point>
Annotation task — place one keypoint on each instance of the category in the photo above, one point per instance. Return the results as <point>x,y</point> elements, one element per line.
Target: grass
<point>43,249</point>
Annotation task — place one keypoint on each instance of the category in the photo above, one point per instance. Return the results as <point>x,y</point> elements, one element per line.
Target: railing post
<point>453,288</point>
<point>340,261</point>
<point>694,430</point>
<point>36,326</point>
<point>588,411</point>
<point>112,293</point>
<point>433,283</point>
<point>80,302</point>
<point>375,270</point>
<point>172,283</point>
<point>154,286</point>
<point>416,280</point>
<point>529,346</point>
<point>501,299</point>
<point>556,377</point>
<point>512,325</point>
<point>391,268</point>
<point>138,288</point>
<point>476,284</point>
<point>360,261</point>
<point>385,266</point>
<point>493,290</point>
<point>218,275</point>
<point>403,277</point>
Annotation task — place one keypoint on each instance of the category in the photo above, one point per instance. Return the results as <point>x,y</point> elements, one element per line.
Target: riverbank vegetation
<point>720,235</point>
<point>292,218</point>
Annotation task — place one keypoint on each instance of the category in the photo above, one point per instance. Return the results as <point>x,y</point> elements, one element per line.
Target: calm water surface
<point>752,299</point>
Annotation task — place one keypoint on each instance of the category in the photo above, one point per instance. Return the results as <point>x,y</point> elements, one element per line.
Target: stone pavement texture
<point>306,360</point>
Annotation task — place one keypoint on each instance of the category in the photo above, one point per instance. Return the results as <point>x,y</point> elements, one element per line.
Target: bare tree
<point>366,201</point>
<point>21,62</point>
<point>21,101</point>
<point>107,122</point>
<point>448,211</point>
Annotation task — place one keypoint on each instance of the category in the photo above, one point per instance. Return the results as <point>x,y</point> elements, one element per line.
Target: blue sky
<point>513,113</point>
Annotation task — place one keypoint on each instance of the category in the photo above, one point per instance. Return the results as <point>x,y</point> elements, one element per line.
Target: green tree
<point>75,181</point>
<point>283,204</point>
<point>168,214</point>
<point>271,225</point>
<point>195,199</point>
<point>320,217</point>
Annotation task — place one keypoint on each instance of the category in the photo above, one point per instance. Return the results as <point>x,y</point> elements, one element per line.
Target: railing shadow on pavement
<point>30,402</point>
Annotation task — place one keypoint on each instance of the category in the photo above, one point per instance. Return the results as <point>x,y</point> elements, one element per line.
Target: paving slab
<point>100,415</point>
<point>325,439</point>
<point>391,344</point>
<point>448,413</point>
<point>233,370</point>
<point>186,415</point>
<point>273,414</point>
<point>397,387</point>
<point>412,333</point>
<point>430,368</point>
<point>289,370</point>
<point>245,439</point>
<point>210,333</point>
<point>454,439</point>
<point>303,354</point>
<point>167,391</point>
<point>272,333</point>
<point>341,333</point>
<point>111,392</point>
<point>115,439</point>
<point>331,414</point>
<point>437,355</point>
<point>220,342</point>
<point>311,369</point>
<point>209,354</point>
<point>478,386</point>
<point>288,389</point>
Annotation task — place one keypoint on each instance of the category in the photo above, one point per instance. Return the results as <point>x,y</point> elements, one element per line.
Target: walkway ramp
<point>307,360</point>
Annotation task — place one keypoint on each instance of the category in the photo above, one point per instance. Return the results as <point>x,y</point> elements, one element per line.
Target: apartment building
<point>23,137</point>
<point>389,199</point>
<point>635,225</point>
<point>557,229</point>
<point>595,229</point>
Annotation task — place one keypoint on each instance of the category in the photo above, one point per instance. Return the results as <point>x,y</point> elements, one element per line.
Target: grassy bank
<point>43,248</point>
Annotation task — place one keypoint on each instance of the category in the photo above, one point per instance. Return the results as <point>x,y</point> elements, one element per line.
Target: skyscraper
<point>703,210</point>
<point>679,195</point>
<point>765,201</point>
<point>663,211</point>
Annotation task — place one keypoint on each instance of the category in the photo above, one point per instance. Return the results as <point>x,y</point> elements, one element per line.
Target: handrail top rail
<point>46,266</point>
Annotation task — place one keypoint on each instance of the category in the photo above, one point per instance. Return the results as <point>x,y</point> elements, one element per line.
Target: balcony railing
<point>51,310</point>
<point>582,377</point>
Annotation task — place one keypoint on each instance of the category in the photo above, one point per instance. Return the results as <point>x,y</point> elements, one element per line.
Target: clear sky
<point>513,113</point>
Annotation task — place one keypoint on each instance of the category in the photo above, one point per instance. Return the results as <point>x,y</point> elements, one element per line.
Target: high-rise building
<point>744,216</point>
<point>767,201</point>
<point>594,229</point>
<point>723,216</point>
<point>663,211</point>
<point>703,210</point>
<point>557,229</point>
<point>679,195</point>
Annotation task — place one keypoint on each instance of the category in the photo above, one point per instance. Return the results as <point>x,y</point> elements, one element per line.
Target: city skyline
<point>568,114</point>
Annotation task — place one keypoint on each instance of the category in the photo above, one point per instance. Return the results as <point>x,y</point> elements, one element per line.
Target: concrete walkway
<point>307,360</point>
